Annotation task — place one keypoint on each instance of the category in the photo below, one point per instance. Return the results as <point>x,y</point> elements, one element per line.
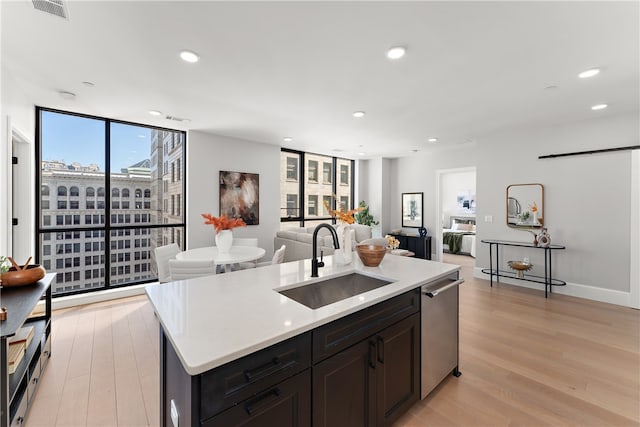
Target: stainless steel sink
<point>328,291</point>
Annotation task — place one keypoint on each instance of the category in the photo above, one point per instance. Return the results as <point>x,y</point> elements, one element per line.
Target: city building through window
<point>81,187</point>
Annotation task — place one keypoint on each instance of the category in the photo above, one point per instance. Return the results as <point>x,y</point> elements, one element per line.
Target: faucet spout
<point>314,258</point>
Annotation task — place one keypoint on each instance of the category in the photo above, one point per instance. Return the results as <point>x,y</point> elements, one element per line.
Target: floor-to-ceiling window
<point>309,180</point>
<point>109,193</point>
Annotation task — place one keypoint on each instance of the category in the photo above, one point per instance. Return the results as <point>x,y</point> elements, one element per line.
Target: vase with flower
<point>344,255</point>
<point>223,226</point>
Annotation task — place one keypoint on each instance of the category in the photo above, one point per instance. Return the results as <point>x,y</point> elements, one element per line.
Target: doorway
<point>456,203</point>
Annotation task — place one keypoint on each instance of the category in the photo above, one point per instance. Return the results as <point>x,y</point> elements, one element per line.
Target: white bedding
<point>468,246</point>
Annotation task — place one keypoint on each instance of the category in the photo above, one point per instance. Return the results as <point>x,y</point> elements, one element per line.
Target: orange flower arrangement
<point>223,223</point>
<point>338,214</point>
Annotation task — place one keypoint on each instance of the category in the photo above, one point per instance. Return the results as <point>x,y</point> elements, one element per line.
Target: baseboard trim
<point>98,296</point>
<point>572,289</point>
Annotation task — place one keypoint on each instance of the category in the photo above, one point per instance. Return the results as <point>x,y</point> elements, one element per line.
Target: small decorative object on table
<point>392,242</point>
<point>20,275</point>
<point>371,255</point>
<point>544,239</point>
<point>520,267</point>
<point>422,232</point>
<point>223,226</point>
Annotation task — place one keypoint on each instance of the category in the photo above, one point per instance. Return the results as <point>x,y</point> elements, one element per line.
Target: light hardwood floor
<point>524,361</point>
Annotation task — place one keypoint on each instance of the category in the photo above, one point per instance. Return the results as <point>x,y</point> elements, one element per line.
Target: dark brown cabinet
<point>343,388</point>
<point>360,370</point>
<point>287,404</point>
<point>371,383</point>
<point>397,369</point>
<point>421,246</point>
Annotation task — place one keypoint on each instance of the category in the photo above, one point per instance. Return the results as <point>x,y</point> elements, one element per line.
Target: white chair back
<point>278,256</point>
<point>163,255</point>
<point>181,269</point>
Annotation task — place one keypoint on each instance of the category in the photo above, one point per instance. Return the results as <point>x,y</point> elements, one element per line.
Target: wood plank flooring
<point>524,361</point>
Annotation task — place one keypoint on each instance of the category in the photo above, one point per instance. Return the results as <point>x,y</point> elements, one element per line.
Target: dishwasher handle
<point>432,294</point>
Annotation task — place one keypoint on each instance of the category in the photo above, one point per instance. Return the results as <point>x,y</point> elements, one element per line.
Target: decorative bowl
<point>28,276</point>
<point>371,255</point>
<point>520,267</point>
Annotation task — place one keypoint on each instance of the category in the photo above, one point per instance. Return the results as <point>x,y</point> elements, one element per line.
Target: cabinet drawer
<point>287,404</point>
<point>342,333</point>
<point>20,414</point>
<point>46,351</point>
<point>231,383</point>
<point>34,377</point>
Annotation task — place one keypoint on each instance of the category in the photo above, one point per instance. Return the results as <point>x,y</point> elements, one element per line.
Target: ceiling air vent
<point>53,7</point>
<point>177,119</point>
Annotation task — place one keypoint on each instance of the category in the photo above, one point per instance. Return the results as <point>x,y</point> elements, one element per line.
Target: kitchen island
<point>234,349</point>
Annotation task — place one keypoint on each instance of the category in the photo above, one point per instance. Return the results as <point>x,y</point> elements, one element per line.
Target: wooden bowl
<point>371,255</point>
<point>520,267</point>
<point>28,276</point>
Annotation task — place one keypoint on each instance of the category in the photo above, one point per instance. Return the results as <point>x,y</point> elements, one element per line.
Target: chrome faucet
<point>314,259</point>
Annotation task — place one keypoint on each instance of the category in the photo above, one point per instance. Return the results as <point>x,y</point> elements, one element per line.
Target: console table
<point>547,279</point>
<point>17,390</point>
<point>421,246</point>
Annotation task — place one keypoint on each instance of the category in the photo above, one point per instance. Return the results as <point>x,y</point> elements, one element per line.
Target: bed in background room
<point>460,237</point>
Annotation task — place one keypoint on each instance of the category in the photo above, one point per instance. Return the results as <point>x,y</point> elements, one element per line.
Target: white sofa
<point>298,241</point>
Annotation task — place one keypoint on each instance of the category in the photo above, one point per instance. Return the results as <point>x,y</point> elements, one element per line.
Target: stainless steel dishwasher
<point>439,317</point>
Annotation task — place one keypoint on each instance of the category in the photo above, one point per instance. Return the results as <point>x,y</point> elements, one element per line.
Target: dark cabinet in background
<point>421,246</point>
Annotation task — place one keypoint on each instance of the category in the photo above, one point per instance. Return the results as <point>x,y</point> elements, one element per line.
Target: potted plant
<point>364,216</point>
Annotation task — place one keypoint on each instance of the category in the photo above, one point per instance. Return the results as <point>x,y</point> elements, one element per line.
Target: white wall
<point>417,173</point>
<point>207,155</point>
<point>374,189</point>
<point>452,184</point>
<point>587,198</point>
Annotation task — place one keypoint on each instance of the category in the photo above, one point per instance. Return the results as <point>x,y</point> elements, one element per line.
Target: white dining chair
<point>181,269</point>
<point>245,241</point>
<point>163,255</point>
<point>278,257</point>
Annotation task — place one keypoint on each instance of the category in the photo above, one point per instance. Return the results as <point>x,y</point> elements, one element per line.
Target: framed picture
<point>240,196</point>
<point>412,210</point>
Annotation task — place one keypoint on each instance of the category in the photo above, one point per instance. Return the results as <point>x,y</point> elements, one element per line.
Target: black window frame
<point>104,226</point>
<point>302,196</point>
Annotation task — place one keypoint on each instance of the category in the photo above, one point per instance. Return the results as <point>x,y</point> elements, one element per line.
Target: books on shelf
<point>24,334</point>
<point>16,352</point>
<point>18,346</point>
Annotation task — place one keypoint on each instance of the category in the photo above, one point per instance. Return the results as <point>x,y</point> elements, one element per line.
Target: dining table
<point>236,254</point>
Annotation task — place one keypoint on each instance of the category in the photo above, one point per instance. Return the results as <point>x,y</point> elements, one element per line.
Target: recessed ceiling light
<point>358,114</point>
<point>361,154</point>
<point>396,52</point>
<point>189,56</point>
<point>589,73</point>
<point>599,107</point>
<point>287,139</point>
<point>432,139</point>
<point>155,112</point>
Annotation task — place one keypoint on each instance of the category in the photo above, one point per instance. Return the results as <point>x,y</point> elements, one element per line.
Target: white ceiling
<point>275,69</point>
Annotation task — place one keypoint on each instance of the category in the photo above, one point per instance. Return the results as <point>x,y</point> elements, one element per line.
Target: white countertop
<point>217,319</point>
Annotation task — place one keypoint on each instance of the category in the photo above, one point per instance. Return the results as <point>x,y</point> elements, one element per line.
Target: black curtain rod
<point>579,153</point>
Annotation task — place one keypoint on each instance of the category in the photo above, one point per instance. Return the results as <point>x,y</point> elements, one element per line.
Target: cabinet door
<point>343,388</point>
<point>287,404</point>
<point>397,370</point>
